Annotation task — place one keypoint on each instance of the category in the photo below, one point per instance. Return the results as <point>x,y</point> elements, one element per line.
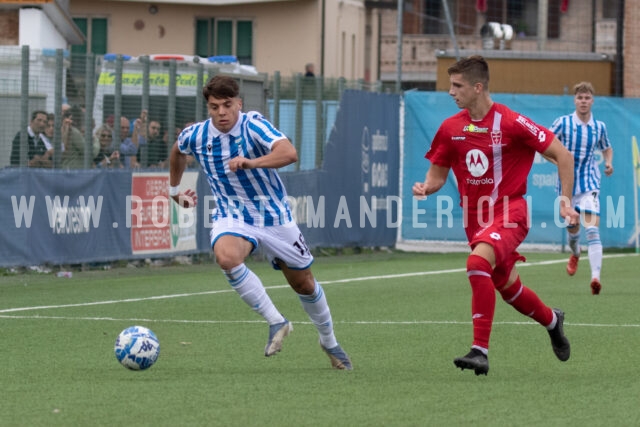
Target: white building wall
<point>37,31</point>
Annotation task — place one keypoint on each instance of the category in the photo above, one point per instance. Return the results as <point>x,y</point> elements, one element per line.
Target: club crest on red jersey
<point>496,137</point>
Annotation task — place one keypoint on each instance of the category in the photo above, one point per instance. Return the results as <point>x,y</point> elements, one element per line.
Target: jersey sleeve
<point>603,142</point>
<point>438,153</point>
<point>262,131</point>
<point>535,136</point>
<point>557,126</point>
<point>186,139</point>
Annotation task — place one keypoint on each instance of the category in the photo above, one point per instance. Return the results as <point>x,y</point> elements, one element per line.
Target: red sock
<point>527,302</point>
<point>483,299</point>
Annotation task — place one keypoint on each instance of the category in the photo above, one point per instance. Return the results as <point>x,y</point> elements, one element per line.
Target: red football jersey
<point>490,158</point>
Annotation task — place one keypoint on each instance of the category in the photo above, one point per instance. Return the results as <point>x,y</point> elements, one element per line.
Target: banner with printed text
<point>440,216</point>
<point>158,224</point>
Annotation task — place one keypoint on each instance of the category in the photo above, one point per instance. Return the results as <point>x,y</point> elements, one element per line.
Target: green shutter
<point>82,24</point>
<point>99,36</point>
<point>225,38</point>
<point>202,38</point>
<point>244,48</point>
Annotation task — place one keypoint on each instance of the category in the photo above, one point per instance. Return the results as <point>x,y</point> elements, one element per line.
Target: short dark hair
<point>474,69</point>
<point>35,114</point>
<point>221,87</point>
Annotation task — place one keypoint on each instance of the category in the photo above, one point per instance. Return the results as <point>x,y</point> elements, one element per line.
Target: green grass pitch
<point>402,317</point>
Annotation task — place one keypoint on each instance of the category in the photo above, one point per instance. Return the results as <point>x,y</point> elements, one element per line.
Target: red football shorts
<point>504,227</point>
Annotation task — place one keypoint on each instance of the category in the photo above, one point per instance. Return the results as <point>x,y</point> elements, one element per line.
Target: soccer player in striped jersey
<point>239,153</point>
<point>490,149</point>
<point>583,136</point>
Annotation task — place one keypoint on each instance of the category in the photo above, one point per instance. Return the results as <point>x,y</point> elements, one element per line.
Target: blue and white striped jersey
<point>255,196</point>
<point>582,140</point>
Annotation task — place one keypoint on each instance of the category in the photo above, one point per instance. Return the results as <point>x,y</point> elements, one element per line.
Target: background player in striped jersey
<point>240,152</point>
<point>583,136</point>
<point>490,149</point>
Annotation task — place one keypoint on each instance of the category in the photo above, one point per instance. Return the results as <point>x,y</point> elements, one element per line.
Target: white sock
<point>554,321</point>
<point>318,310</point>
<point>574,242</point>
<point>252,292</point>
<point>595,251</point>
<point>483,350</point>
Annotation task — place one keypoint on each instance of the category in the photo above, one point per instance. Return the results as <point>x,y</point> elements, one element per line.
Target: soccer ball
<point>137,348</point>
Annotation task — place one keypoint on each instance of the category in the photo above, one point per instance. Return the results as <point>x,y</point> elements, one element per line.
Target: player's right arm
<point>435,179</point>
<point>282,154</point>
<point>177,165</point>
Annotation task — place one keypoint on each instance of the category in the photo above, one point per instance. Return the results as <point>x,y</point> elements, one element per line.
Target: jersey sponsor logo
<point>542,137</point>
<point>482,181</point>
<point>477,162</point>
<point>479,232</point>
<point>531,127</point>
<point>458,138</point>
<point>474,129</point>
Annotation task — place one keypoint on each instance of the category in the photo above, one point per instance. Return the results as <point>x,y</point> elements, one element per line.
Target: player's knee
<point>593,234</point>
<point>591,220</point>
<point>476,263</point>
<point>227,261</point>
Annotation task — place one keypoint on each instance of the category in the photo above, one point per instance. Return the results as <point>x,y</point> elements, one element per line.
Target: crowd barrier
<point>83,216</point>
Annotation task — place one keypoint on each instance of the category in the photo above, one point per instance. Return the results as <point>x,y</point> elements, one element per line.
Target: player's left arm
<point>282,153</point>
<point>563,159</point>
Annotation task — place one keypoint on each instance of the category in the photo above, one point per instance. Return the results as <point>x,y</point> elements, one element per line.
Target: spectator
<point>47,135</point>
<point>74,143</point>
<point>129,146</point>
<point>308,70</point>
<point>107,156</point>
<point>157,151</point>
<point>37,153</point>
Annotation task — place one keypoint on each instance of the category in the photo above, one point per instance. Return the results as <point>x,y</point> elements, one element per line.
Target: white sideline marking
<point>328,282</point>
<point>356,322</point>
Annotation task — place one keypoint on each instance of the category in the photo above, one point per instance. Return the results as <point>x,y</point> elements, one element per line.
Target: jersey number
<point>301,245</point>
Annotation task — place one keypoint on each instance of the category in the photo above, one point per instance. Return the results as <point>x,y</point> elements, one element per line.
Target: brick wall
<point>631,49</point>
<point>9,27</point>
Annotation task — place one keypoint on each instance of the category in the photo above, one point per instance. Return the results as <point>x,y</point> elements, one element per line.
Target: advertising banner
<point>159,225</point>
<point>440,216</point>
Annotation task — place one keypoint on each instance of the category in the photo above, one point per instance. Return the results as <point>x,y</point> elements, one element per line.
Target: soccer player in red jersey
<point>491,149</point>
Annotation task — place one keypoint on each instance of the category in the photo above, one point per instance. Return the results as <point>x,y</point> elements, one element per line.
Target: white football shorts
<point>284,242</point>
<point>588,202</point>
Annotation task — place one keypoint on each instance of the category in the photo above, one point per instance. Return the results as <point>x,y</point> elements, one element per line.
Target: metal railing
<point>161,88</point>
